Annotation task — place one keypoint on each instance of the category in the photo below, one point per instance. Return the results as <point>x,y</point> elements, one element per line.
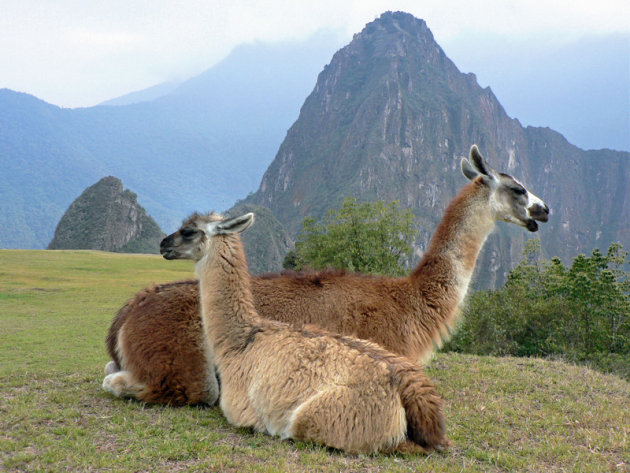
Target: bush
<point>368,237</point>
<point>581,313</point>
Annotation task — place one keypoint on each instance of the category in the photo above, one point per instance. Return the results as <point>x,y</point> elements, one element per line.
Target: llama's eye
<point>187,232</point>
<point>519,190</point>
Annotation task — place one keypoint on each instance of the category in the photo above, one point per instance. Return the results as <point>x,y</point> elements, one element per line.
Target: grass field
<point>504,414</point>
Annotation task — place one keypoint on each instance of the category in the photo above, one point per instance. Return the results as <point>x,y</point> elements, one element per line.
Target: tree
<point>619,311</point>
<point>367,237</point>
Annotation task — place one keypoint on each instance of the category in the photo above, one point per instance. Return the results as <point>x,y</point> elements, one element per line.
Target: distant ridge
<point>144,95</point>
<point>106,217</point>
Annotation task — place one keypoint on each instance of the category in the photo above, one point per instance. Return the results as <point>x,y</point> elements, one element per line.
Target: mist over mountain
<point>390,118</point>
<point>144,95</point>
<point>579,88</point>
<point>202,146</point>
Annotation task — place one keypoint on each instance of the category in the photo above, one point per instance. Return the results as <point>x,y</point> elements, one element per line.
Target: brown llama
<point>156,339</point>
<point>304,384</point>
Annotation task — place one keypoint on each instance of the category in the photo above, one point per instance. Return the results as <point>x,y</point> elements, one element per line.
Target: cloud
<point>72,52</point>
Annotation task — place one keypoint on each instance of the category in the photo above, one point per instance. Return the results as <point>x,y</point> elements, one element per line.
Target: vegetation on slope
<point>580,313</point>
<point>366,237</point>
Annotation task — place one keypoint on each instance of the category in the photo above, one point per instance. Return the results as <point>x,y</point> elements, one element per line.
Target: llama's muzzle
<point>166,250</point>
<point>539,212</point>
<point>531,225</point>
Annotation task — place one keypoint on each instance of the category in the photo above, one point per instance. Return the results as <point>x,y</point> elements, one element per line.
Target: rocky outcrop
<point>106,217</point>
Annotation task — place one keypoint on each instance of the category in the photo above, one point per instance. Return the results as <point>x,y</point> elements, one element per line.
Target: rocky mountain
<point>580,88</point>
<point>391,116</point>
<point>107,217</point>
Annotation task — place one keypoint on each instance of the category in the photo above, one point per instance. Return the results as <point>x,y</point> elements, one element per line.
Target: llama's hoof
<point>107,383</point>
<point>111,368</point>
<point>444,445</point>
<point>111,384</point>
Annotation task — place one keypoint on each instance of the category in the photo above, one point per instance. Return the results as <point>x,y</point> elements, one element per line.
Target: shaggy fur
<point>164,357</point>
<point>309,385</point>
<point>408,316</point>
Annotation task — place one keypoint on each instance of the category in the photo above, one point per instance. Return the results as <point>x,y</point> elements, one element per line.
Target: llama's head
<point>194,238</point>
<point>510,200</point>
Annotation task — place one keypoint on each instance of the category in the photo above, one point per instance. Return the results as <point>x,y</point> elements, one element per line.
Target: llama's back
<point>162,326</point>
<point>373,308</point>
<point>157,335</point>
<point>301,299</point>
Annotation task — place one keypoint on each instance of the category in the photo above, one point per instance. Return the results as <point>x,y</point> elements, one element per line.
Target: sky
<point>76,53</point>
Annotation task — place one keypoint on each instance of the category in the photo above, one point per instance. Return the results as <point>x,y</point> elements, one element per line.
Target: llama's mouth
<point>539,212</point>
<point>168,253</point>
<point>531,225</point>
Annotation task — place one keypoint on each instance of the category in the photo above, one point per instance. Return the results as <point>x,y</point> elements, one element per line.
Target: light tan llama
<point>156,341</point>
<point>304,384</point>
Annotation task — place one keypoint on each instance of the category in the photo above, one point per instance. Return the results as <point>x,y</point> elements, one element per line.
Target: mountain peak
<point>399,21</point>
<point>107,217</point>
<point>391,95</point>
<point>396,34</point>
<point>390,118</point>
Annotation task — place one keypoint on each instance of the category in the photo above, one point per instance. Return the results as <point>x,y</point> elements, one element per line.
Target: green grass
<point>503,414</point>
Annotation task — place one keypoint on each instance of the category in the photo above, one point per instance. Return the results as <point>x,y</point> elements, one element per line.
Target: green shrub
<point>581,312</point>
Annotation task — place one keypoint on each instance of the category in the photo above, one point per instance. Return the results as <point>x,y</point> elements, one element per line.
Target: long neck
<point>227,304</point>
<point>443,275</point>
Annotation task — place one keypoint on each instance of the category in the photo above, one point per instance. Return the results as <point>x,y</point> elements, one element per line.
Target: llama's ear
<point>477,166</point>
<point>235,225</point>
<point>468,170</point>
<point>476,158</point>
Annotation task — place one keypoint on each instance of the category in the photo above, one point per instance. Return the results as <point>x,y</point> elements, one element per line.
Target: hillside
<point>267,242</point>
<point>391,116</point>
<point>580,89</point>
<point>105,217</point>
<point>503,414</point>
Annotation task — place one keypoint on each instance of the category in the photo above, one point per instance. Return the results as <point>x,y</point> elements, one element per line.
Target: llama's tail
<point>423,407</point>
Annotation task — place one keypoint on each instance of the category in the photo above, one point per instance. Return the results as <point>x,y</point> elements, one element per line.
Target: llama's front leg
<point>124,384</point>
<point>237,408</point>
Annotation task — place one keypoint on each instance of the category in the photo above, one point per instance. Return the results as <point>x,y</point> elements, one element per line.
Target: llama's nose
<point>546,210</point>
<point>539,212</point>
<point>165,248</point>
